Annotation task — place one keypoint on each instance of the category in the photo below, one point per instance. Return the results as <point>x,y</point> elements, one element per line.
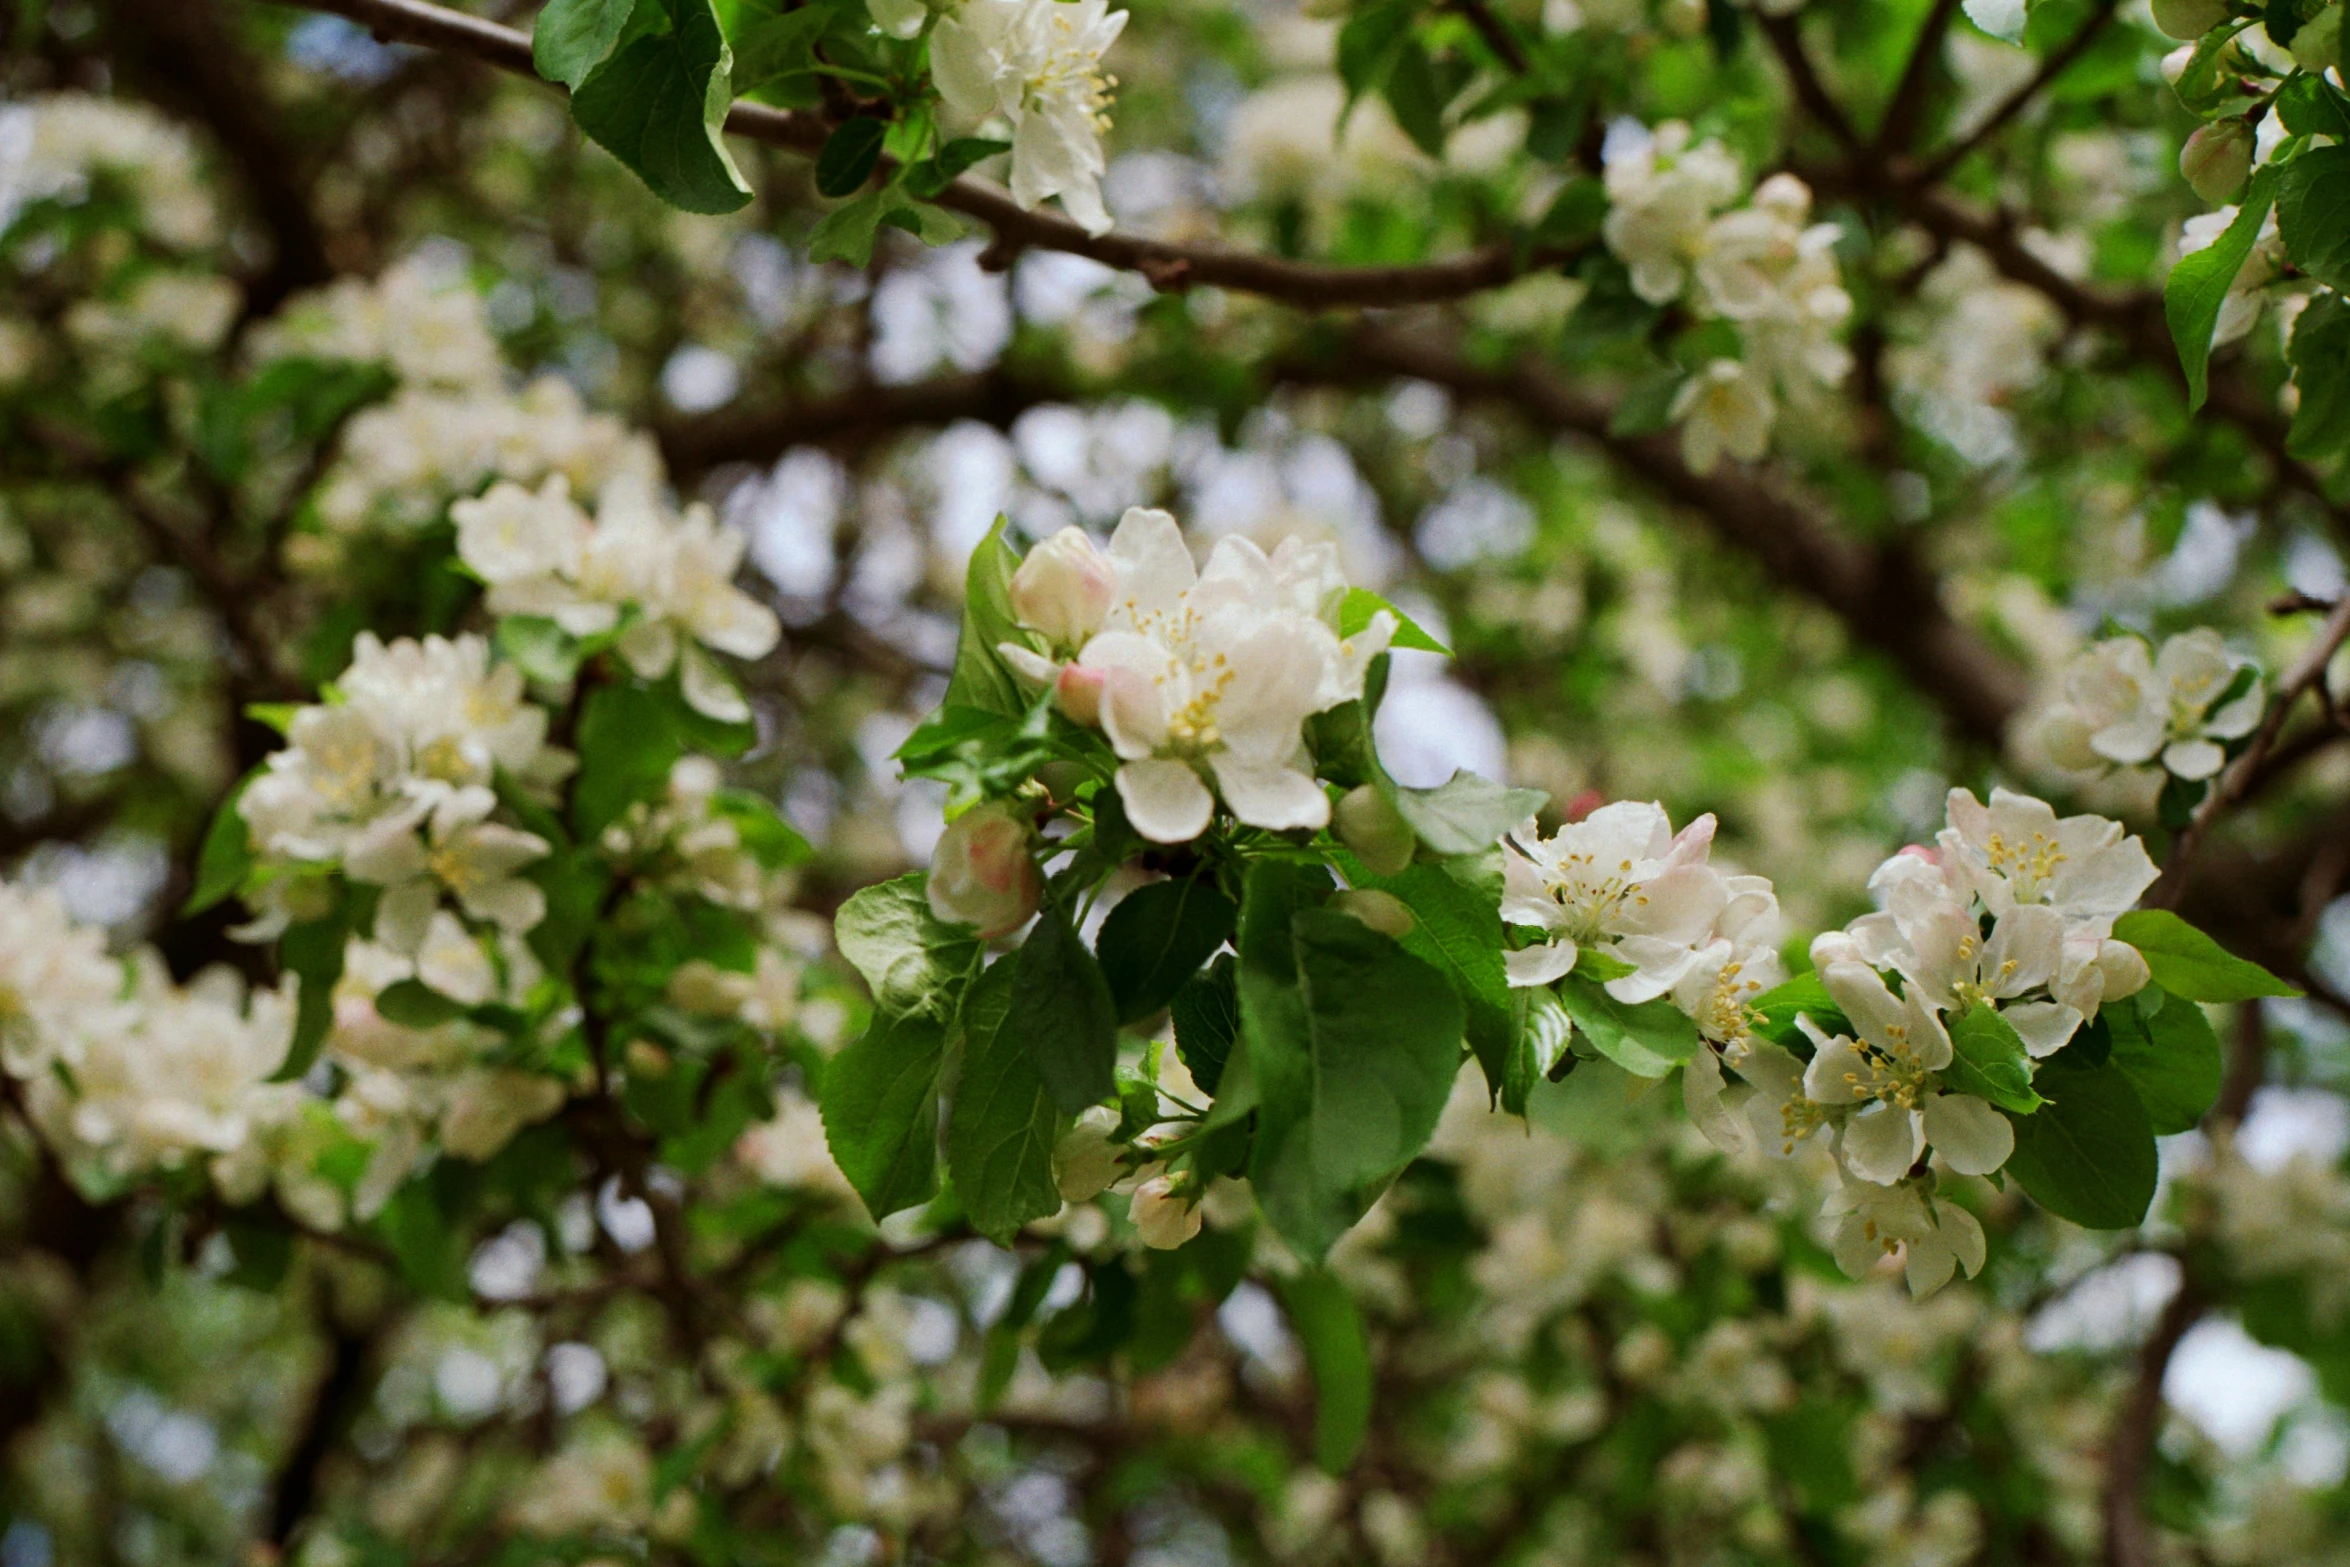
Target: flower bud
<point>898,18</point>
<point>1078,690</point>
<point>2174,64</point>
<point>1086,1159</point>
<point>2217,160</point>
<point>2189,18</point>
<point>982,872</point>
<point>1367,822</point>
<point>1162,1215</point>
<point>1064,588</point>
<point>1383,912</point>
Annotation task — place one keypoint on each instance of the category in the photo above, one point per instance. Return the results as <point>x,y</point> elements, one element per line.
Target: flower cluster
<point>2010,912</point>
<point>1198,677</point>
<point>1763,268</point>
<point>62,147</point>
<point>395,785</point>
<point>1034,66</point>
<point>2121,703</point>
<point>658,584</point>
<point>453,423</point>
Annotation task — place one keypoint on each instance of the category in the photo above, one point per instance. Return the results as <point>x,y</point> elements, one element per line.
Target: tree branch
<point>1907,106</point>
<point>1787,42</point>
<point>2016,102</point>
<point>1169,267</point>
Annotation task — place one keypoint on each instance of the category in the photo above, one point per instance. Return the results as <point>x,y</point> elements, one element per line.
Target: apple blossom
<point>1034,65</point>
<point>2121,704</point>
<point>983,872</point>
<point>1063,588</point>
<point>2217,160</point>
<point>1164,1214</point>
<point>1088,1159</point>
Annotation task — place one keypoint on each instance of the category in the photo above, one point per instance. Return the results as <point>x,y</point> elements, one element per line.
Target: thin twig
<point>1899,127</point>
<point>1168,267</point>
<point>2016,102</point>
<point>1495,32</point>
<point>1787,42</point>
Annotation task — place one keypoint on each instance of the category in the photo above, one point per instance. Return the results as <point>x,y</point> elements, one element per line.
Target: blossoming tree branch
<point>870,780</point>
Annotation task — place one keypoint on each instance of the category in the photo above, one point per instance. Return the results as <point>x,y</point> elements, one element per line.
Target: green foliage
<point>2088,1153</point>
<point>2313,213</point>
<point>1988,1060</point>
<point>1646,1039</point>
<point>1006,1121</point>
<point>1068,1017</point>
<point>1361,606</point>
<point>1456,928</point>
<point>2198,286</point>
<point>1206,1014</point>
<point>1157,937</point>
<point>570,38</point>
<point>850,155</point>
<point>880,1105</point>
<point>2321,369</point>
<point>2187,963</point>
<point>912,961</point>
<point>980,679</point>
<point>2165,1046</point>
<point>1338,1355</point>
<point>225,858</point>
<point>658,103</point>
<point>1465,814</point>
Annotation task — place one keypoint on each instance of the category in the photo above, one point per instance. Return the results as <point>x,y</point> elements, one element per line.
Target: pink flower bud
<point>2188,18</point>
<point>983,873</point>
<point>1064,588</point>
<point>2217,160</point>
<point>1079,691</point>
<point>1163,1216</point>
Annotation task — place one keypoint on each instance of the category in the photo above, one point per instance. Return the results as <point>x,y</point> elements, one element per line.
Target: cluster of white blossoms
<point>1623,884</point>
<point>659,582</point>
<point>60,147</point>
<point>2048,890</point>
<point>395,786</point>
<point>1764,267</point>
<point>1197,677</point>
<point>1032,68</point>
<point>453,423</point>
<point>2120,703</point>
<point>125,1072</point>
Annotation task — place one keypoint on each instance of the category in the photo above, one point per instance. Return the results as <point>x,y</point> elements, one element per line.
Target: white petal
<point>2194,760</point>
<point>1971,1137</point>
<point>1276,798</point>
<point>1165,800</point>
<point>1553,960</point>
<point>2046,1026</point>
<point>710,691</point>
<point>1881,1142</point>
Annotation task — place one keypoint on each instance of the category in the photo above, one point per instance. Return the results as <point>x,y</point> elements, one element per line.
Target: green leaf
<point>659,105</point>
<point>850,155</point>
<point>1989,1061</point>
<point>2088,1153</point>
<point>2312,106</point>
<point>770,41</point>
<point>2313,214</point>
<point>1206,1014</point>
<point>1000,1138</point>
<point>1456,910</point>
<point>846,234</point>
<point>1415,91</point>
<point>933,175</point>
<point>911,959</point>
<point>412,1003</point>
<point>1776,1010</point>
<point>1360,605</point>
<point>312,951</point>
<point>2186,962</point>
<point>2165,1046</point>
<point>1466,814</point>
<point>1647,1040</point>
<point>1368,45</point>
<point>880,1106</point>
<point>1575,214</point>
<point>1156,939</point>
<point>431,1253</point>
<point>572,37</point>
<point>1340,737</point>
<point>227,855</point>
<point>2321,369</point>
<point>1338,1355</point>
<point>929,224</point>
<point>980,679</point>
<point>627,745</point>
<point>1354,1044</point>
<point>2198,286</point>
<point>1067,1015</point>
<point>1001,1356</point>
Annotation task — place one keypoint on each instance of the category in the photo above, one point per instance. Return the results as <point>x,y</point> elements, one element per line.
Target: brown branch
<point>1899,127</point>
<point>2129,1454</point>
<point>2307,674</point>
<point>1494,31</point>
<point>1883,594</point>
<point>759,435</point>
<point>2057,63</point>
<point>1786,41</point>
<point>1169,267</point>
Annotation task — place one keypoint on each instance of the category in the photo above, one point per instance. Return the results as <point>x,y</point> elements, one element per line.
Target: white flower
<point>454,847</point>
<point>1036,65</point>
<point>1164,1217</point>
<point>459,718</point>
<point>1620,880</point>
<point>2017,851</point>
<point>2119,703</point>
<point>983,872</point>
<point>1875,1221</point>
<point>56,982</point>
<point>53,148</point>
<point>1726,407</point>
<point>1088,1160</point>
<point>1064,588</point>
<point>1215,672</point>
<point>1662,192</point>
<point>1888,1073</point>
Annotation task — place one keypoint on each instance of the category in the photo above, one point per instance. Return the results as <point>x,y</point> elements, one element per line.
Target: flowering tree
<point>860,782</point>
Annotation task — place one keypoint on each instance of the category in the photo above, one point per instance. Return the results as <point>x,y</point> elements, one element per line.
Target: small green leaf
<point>628,742</point>
<point>1647,1039</point>
<point>2186,962</point>
<point>1466,814</point>
<point>1067,1016</point>
<point>1456,912</point>
<point>850,155</point>
<point>1001,1136</point>
<point>933,175</point>
<point>2321,370</point>
<point>980,679</point>
<point>2313,213</point>
<point>2088,1153</point>
<point>1206,1014</point>
<point>846,234</point>
<point>2198,286</point>
<point>227,854</point>
<point>1338,1355</point>
<point>1357,609</point>
<point>412,1003</point>
<point>2312,106</point>
<point>1416,93</point>
<point>2165,1046</point>
<point>880,1107</point>
<point>1575,214</point>
<point>911,959</point>
<point>659,105</point>
<point>571,38</point>
<point>1989,1061</point>
<point>1156,939</point>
